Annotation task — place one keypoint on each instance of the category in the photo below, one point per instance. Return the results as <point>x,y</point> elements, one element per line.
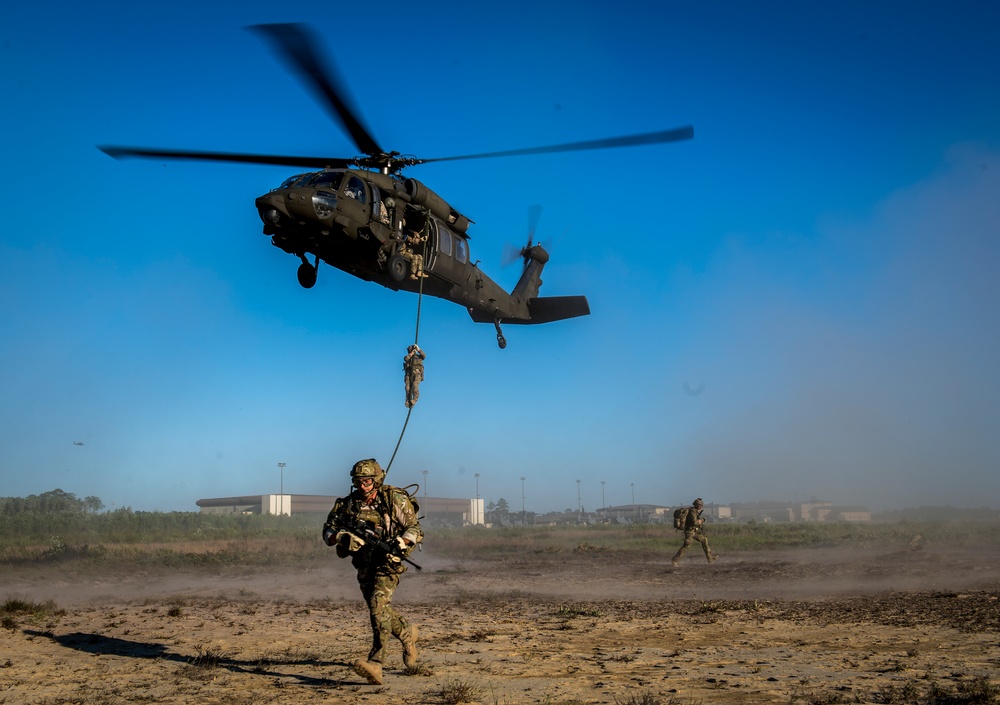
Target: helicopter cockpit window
<point>329,180</point>
<point>461,250</point>
<point>293,180</point>
<point>355,189</point>
<point>444,241</point>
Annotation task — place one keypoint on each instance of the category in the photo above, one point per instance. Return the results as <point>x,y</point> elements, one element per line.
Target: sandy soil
<point>559,628</point>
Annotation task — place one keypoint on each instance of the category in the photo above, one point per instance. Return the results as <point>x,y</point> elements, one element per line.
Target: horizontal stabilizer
<point>543,309</point>
<point>546,309</point>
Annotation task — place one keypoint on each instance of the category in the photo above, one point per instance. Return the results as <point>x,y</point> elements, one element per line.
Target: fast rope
<point>416,340</point>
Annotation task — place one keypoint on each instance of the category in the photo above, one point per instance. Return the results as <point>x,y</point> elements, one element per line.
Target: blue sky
<point>820,261</point>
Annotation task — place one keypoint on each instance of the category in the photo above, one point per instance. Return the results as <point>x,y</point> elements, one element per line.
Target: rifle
<point>361,531</point>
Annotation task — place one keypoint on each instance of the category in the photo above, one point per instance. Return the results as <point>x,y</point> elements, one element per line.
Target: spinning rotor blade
<point>297,45</point>
<point>510,253</point>
<point>300,51</point>
<point>677,135</point>
<point>309,162</point>
<point>534,215</point>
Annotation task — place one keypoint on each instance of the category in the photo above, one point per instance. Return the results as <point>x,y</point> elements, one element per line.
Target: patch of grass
<point>15,610</point>
<point>418,669</point>
<point>978,691</point>
<point>589,548</point>
<point>644,698</point>
<point>454,692</point>
<point>208,657</point>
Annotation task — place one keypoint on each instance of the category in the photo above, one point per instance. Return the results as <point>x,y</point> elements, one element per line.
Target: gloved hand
<point>401,542</point>
<point>349,541</point>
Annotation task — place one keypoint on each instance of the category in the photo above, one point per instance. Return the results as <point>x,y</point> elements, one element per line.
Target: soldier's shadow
<point>93,643</point>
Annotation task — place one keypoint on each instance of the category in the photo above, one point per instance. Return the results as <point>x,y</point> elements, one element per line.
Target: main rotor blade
<point>278,160</point>
<point>302,53</point>
<point>676,135</point>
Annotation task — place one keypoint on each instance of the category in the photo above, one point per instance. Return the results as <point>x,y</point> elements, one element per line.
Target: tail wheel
<point>501,341</point>
<point>307,275</point>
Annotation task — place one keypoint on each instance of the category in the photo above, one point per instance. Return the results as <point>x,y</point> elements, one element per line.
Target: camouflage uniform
<point>413,251</point>
<point>693,532</point>
<point>413,368</point>
<point>392,515</point>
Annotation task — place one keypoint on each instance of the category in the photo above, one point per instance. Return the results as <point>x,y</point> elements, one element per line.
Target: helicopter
<point>361,216</point>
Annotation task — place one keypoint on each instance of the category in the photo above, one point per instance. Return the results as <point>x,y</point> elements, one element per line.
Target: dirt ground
<point>813,626</point>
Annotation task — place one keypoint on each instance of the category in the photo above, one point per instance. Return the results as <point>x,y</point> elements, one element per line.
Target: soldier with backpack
<point>689,520</point>
<point>377,526</point>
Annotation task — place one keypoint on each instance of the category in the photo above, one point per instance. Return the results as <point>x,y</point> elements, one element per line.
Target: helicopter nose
<point>267,209</point>
<point>269,216</point>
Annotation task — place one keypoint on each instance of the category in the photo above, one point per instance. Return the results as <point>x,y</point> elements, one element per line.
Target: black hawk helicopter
<point>358,215</point>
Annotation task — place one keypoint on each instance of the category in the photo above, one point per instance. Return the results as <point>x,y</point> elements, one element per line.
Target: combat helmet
<point>698,503</point>
<point>368,468</point>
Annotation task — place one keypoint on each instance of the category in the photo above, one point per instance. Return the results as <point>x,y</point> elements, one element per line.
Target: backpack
<point>680,518</point>
<point>412,496</point>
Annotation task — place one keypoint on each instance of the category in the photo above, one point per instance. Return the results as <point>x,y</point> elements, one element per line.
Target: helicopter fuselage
<point>363,222</point>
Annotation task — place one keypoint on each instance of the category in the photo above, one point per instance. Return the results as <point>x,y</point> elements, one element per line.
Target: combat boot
<point>410,648</point>
<point>713,557</point>
<point>371,670</point>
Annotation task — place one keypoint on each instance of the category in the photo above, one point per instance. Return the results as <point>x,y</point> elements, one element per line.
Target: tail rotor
<point>511,253</point>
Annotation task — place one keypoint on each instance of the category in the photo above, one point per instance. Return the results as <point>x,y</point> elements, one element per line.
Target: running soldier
<point>693,532</point>
<point>391,515</point>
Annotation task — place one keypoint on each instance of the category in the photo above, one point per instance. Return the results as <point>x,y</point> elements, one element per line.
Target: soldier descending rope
<point>413,369</point>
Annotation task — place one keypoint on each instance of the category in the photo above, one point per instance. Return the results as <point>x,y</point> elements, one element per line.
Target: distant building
<point>286,504</point>
<point>438,510</point>
<point>814,510</point>
<point>849,514</point>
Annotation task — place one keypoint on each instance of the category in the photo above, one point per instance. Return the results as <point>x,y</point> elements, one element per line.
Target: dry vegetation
<point>260,612</point>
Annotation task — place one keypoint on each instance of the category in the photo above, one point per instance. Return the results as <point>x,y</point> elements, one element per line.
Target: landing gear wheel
<point>501,341</point>
<point>398,267</point>
<point>307,275</point>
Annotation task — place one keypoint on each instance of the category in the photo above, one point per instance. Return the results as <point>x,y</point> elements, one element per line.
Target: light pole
<point>281,469</point>
<point>425,483</point>
<point>604,506</point>
<point>477,485</point>
<point>522,501</point>
<point>633,499</point>
<point>579,504</point>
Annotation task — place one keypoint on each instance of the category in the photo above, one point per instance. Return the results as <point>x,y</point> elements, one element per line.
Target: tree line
<point>53,502</point>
